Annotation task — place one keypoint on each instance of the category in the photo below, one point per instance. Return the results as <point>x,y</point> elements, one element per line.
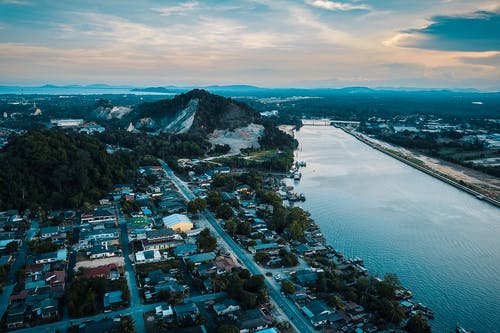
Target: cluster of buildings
<point>39,299</point>
<point>78,124</point>
<point>348,316</point>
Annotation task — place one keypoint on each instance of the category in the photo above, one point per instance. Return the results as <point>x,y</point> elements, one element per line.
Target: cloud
<point>337,6</point>
<point>476,32</point>
<point>489,60</point>
<point>15,2</point>
<point>179,9</point>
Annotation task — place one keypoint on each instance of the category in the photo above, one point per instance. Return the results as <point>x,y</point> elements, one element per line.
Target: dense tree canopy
<point>54,169</point>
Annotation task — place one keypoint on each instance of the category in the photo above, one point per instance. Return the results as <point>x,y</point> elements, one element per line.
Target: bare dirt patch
<point>239,138</point>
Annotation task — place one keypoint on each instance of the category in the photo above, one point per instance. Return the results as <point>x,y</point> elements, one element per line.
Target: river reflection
<point>444,244</point>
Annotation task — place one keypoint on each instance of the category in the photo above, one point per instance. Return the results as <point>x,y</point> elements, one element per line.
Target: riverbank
<point>440,241</point>
<point>418,164</point>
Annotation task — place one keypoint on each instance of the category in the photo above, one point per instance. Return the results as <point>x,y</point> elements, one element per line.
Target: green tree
<point>243,228</point>
<point>196,206</point>
<point>206,242</point>
<point>222,180</point>
<point>296,230</point>
<point>261,257</point>
<point>418,324</point>
<point>227,328</point>
<point>287,287</point>
<point>11,247</point>
<point>214,199</point>
<point>230,227</point>
<point>224,211</point>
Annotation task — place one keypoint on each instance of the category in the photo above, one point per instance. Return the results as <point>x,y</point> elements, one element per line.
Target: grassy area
<point>264,154</point>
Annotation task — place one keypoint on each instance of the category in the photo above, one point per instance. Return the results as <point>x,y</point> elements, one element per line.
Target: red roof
<point>55,277</point>
<point>19,296</point>
<point>99,271</point>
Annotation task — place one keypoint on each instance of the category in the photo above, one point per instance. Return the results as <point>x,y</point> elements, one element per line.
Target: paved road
<point>135,300</point>
<point>19,262</point>
<point>284,305</point>
<point>138,309</point>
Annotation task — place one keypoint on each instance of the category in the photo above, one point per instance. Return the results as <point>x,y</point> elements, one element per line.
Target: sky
<point>267,43</point>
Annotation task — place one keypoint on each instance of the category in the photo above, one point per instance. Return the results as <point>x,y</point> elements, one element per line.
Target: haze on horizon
<point>269,43</point>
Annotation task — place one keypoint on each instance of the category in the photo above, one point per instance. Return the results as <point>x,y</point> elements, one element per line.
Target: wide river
<point>443,244</point>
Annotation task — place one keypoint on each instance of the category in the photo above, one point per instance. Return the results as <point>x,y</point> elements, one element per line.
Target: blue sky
<point>270,43</point>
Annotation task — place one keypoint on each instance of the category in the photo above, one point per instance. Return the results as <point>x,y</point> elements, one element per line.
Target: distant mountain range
<point>235,89</point>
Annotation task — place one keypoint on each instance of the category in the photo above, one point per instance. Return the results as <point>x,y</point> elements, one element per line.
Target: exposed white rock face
<point>116,112</point>
<point>183,120</point>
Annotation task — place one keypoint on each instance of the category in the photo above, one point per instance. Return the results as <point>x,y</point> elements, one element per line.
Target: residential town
<point>150,255</point>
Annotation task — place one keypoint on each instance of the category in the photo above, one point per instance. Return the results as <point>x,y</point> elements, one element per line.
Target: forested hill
<point>196,111</point>
<point>54,169</point>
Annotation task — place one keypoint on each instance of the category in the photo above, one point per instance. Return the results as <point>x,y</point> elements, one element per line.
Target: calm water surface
<point>443,244</point>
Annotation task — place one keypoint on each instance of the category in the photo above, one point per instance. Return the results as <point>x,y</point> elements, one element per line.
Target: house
<point>227,197</point>
<point>178,222</point>
<point>227,306</point>
<point>48,309</point>
<point>146,211</point>
<point>186,311</point>
<point>147,256</point>
<point>49,232</point>
<point>246,189</point>
<point>99,235</point>
<point>252,320</point>
<point>304,249</point>
<point>113,299</point>
<point>55,278</point>
<point>225,265</point>
<point>306,277</point>
<point>101,251</point>
<point>319,313</point>
<point>263,247</point>
<point>109,271</point>
<point>172,287</point>
<point>164,311</point>
<point>100,215</point>
<point>268,330</point>
<point>200,257</point>
<point>222,169</point>
<point>184,250</point>
<point>59,255</point>
<point>158,276</point>
<point>139,221</point>
<point>34,281</point>
<point>16,315</point>
<point>204,269</point>
<point>14,321</point>
<point>161,239</point>
<point>5,260</point>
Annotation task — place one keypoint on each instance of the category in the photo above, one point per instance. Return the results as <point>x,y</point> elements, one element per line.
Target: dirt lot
<point>240,138</point>
<point>119,261</point>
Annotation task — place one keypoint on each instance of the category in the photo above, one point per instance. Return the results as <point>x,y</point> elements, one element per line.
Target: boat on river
<point>460,329</point>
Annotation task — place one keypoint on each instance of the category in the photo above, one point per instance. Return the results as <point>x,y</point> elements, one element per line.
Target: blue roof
<point>196,258</point>
<point>112,297</point>
<point>267,246</point>
<point>183,248</point>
